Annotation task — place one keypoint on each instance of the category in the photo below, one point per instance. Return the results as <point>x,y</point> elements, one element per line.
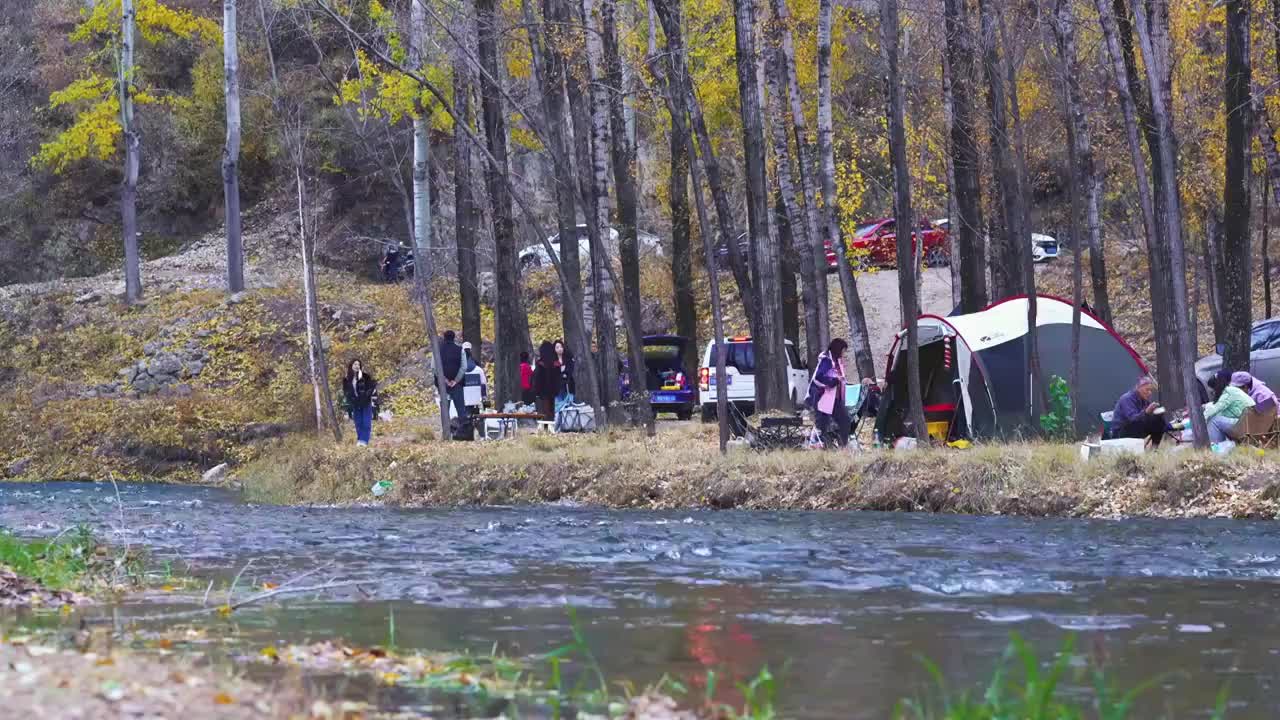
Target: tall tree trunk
<point>231,151</point>
<point>668,13</point>
<point>1236,282</point>
<point>790,271</point>
<point>1266,250</point>
<point>669,76</point>
<point>889,27</point>
<point>1005,268</point>
<point>511,325</point>
<point>419,217</point>
<point>953,244</point>
<point>316,360</point>
<point>1153,32</point>
<point>967,189</point>
<point>684,300</point>
<point>550,64</point>
<point>771,371</point>
<point>1117,32</point>
<point>1082,178</point>
<point>859,338</point>
<point>807,165</point>
<point>624,179</point>
<point>467,218</point>
<point>132,142</point>
<point>598,113</point>
<point>795,245</point>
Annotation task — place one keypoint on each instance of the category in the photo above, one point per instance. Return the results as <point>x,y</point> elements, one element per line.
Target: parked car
<point>878,241</point>
<point>536,256</point>
<point>744,247</point>
<point>1264,355</point>
<point>740,376</point>
<point>1043,247</point>
<point>670,385</point>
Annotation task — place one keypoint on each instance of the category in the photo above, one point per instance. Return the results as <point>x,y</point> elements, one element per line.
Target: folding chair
<point>1257,427</point>
<point>855,398</point>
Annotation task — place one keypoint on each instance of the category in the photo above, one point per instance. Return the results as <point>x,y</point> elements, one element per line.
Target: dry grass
<point>680,468</point>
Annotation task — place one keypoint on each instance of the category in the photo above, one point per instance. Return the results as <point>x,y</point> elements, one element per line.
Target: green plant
<point>58,564</point>
<point>1022,688</point>
<point>1057,422</point>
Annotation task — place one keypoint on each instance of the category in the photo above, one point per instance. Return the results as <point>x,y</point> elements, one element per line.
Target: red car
<point>877,243</point>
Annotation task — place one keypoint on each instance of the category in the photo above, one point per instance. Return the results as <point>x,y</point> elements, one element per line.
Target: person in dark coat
<point>547,381</point>
<point>454,370</point>
<point>567,365</point>
<point>827,396</point>
<point>1135,414</point>
<point>358,388</point>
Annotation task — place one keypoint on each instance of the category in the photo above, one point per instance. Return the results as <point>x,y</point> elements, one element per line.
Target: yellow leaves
<point>224,611</point>
<point>392,95</point>
<point>94,134</point>
<point>154,21</point>
<point>222,699</point>
<point>269,652</point>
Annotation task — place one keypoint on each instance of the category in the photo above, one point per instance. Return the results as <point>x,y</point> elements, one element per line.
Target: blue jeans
<point>363,417</point>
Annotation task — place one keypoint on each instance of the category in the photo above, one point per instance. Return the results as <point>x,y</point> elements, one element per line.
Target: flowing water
<point>841,606</point>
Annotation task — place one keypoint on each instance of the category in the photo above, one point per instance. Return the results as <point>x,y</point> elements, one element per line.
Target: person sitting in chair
<point>1222,415</point>
<point>1263,398</point>
<point>1135,415</point>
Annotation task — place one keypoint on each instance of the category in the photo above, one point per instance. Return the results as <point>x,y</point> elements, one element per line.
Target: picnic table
<point>506,423</point>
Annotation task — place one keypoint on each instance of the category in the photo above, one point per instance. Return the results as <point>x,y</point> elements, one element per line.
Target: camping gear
<point>1257,426</point>
<point>938,430</point>
<point>576,417</point>
<point>977,364</point>
<point>461,429</point>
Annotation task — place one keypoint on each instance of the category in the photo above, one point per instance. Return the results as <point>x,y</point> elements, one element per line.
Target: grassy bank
<point>681,468</point>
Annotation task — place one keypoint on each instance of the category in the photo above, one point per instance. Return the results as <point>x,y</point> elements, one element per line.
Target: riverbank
<point>681,469</point>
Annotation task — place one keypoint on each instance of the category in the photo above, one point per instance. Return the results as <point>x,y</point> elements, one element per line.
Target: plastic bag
<point>380,488</point>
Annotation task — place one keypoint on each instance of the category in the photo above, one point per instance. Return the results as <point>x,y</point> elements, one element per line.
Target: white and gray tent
<point>974,373</point>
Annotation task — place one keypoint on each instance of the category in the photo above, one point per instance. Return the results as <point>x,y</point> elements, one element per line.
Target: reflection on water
<point>840,605</point>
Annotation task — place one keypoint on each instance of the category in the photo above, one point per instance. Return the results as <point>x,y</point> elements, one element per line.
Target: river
<point>841,606</point>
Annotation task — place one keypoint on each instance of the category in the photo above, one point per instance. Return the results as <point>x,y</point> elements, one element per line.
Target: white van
<point>740,369</point>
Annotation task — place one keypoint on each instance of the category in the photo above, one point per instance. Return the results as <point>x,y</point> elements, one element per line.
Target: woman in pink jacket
<point>826,395</point>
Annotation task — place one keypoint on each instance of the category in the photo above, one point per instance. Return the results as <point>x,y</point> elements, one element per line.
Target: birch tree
<point>1153,32</point>
<point>907,295</point>
<point>860,339</point>
<point>771,371</point>
<point>231,151</point>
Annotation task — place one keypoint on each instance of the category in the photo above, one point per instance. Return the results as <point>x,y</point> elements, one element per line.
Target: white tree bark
<point>132,143</point>
<point>231,151</point>
<point>859,338</point>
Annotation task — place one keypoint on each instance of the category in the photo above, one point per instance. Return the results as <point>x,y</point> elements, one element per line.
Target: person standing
<point>547,381</point>
<point>526,380</point>
<point>358,388</point>
<point>565,361</point>
<point>827,395</point>
<point>453,369</point>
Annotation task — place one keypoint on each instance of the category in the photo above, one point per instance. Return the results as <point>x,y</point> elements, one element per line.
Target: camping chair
<point>774,433</point>
<point>855,398</point>
<point>1257,427</point>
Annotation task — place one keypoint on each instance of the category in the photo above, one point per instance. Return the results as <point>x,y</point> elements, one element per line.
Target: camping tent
<point>974,374</point>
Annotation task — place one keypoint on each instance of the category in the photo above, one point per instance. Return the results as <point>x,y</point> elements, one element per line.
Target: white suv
<point>740,369</point>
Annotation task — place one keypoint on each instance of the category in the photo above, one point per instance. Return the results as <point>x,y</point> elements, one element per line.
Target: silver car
<point>1264,355</point>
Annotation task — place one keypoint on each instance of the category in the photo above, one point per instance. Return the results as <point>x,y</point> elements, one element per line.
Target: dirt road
<point>879,292</point>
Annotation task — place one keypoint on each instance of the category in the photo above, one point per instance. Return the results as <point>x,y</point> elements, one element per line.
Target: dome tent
<point>973,368</point>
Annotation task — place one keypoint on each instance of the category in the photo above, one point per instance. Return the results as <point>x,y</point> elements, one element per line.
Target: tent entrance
<point>940,387</point>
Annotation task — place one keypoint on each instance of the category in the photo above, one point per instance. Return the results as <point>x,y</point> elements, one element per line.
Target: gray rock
<point>128,374</point>
<point>204,333</point>
<point>93,393</point>
<point>89,297</point>
<point>193,368</point>
<point>182,390</point>
<point>18,467</point>
<point>166,365</point>
<point>368,328</point>
<point>144,384</point>
<point>235,299</point>
<point>325,343</point>
<point>216,474</point>
<point>152,348</point>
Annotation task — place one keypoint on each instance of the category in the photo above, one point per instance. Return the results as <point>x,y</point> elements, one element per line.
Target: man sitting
<point>1135,415</point>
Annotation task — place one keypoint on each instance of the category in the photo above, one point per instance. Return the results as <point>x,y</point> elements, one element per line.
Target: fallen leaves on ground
<point>16,590</point>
